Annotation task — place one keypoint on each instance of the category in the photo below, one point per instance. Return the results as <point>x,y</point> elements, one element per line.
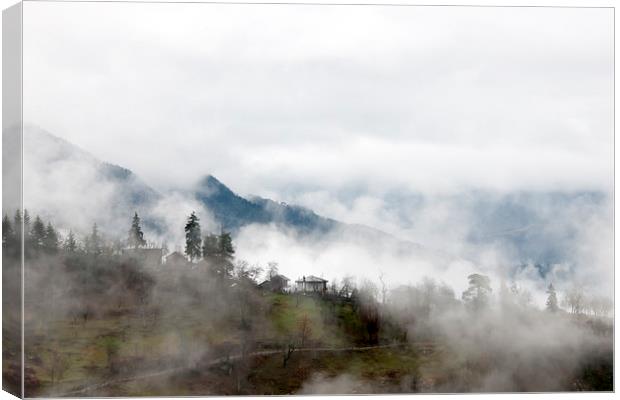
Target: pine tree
<point>552,299</point>
<point>226,245</point>
<point>136,237</point>
<point>70,245</point>
<point>50,241</point>
<point>17,218</point>
<point>193,237</point>
<point>93,242</point>
<point>17,232</point>
<point>7,232</point>
<point>37,233</point>
<point>227,252</point>
<point>26,220</point>
<point>219,251</point>
<point>26,232</point>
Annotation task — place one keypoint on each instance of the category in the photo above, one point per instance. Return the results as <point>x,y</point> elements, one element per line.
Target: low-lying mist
<point>482,292</point>
<point>104,308</point>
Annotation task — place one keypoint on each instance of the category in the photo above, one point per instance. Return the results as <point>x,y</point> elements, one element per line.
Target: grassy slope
<point>186,338</point>
<point>172,338</point>
<point>387,371</point>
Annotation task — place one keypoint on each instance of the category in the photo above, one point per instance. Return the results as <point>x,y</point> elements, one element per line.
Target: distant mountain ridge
<point>66,181</point>
<point>234,211</point>
<point>122,192</point>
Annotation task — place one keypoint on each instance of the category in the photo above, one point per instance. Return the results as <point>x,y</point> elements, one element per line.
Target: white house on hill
<point>311,284</point>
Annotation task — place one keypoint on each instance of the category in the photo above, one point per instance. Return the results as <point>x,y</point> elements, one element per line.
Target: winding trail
<point>213,362</point>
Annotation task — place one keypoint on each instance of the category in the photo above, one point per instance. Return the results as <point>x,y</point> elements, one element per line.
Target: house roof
<point>268,281</point>
<point>312,278</point>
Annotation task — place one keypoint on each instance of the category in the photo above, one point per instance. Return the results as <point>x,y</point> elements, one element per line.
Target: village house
<point>311,284</point>
<point>277,284</point>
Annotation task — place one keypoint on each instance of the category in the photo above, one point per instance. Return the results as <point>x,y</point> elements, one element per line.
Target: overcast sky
<point>282,101</point>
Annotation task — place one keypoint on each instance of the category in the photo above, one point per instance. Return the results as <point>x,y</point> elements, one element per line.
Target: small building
<point>277,284</point>
<point>150,257</point>
<point>311,284</point>
<point>176,259</point>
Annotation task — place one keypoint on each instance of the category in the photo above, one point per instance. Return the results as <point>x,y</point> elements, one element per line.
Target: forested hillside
<point>103,318</point>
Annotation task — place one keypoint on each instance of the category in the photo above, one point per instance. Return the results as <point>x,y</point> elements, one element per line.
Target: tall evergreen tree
<point>17,231</point>
<point>26,220</point>
<point>28,245</point>
<point>17,218</point>
<point>50,241</point>
<point>7,232</point>
<point>193,237</point>
<point>227,253</point>
<point>37,233</point>
<point>136,237</point>
<point>94,242</point>
<point>219,251</point>
<point>70,244</point>
<point>552,299</point>
<point>226,245</point>
<point>17,223</point>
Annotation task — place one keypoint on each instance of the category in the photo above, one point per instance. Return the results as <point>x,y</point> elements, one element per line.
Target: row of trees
<point>42,238</point>
<point>429,296</point>
<point>218,250</point>
<point>576,301</point>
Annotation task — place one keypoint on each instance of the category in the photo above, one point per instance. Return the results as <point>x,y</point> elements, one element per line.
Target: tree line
<point>42,238</point>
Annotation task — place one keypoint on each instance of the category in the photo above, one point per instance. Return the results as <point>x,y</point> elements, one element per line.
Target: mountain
<point>234,212</point>
<point>73,188</point>
<point>542,228</point>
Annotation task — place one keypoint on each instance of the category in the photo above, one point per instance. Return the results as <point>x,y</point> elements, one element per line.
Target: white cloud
<point>426,98</point>
<point>335,107</point>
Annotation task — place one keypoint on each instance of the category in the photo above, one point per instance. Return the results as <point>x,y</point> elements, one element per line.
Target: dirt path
<point>210,363</point>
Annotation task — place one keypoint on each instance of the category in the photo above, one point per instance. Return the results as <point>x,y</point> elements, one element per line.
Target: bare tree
<point>599,306</point>
<point>289,349</point>
<point>384,289</point>
<point>574,299</point>
<point>346,287</point>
